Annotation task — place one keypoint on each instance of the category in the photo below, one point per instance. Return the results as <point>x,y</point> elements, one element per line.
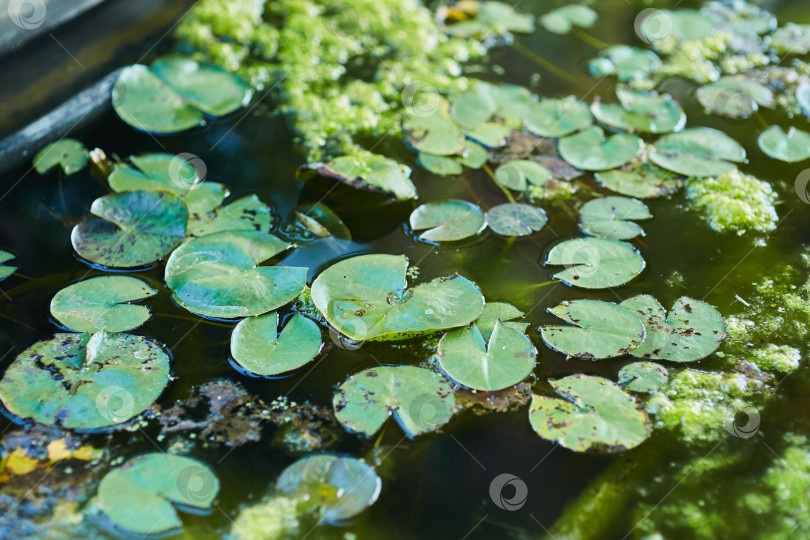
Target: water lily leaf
<point>517,174</point>
<point>692,330</point>
<point>792,146</point>
<point>697,152</point>
<point>681,24</point>
<point>642,181</point>
<point>366,171</point>
<point>499,311</point>
<point>516,219</point>
<point>557,117</point>
<point>218,275</point>
<point>366,298</point>
<point>643,377</point>
<point>803,97</point>
<point>507,359</point>
<point>735,97</point>
<point>595,263</point>
<point>609,217</point>
<point>740,17</point>
<point>641,111</point>
<point>447,221</point>
<point>791,39</point>
<point>102,303</point>
<point>139,496</point>
<point>419,399</point>
<point>168,172</point>
<point>590,150</point>
<point>246,214</point>
<point>471,109</point>
<point>476,156</point>
<point>561,20</point>
<point>434,132</point>
<point>259,347</point>
<point>85,382</point>
<point>316,220</point>
<point>131,229</point>
<point>6,271</point>
<point>442,165</point>
<point>489,134</point>
<point>340,487</point>
<point>68,154</point>
<point>511,101</point>
<point>593,414</point>
<point>491,18</point>
<point>627,63</point>
<point>601,330</point>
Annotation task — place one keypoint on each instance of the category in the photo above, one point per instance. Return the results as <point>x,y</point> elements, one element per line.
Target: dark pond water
<point>438,484</point>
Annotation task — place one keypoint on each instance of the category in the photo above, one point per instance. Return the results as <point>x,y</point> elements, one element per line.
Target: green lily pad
<point>641,111</point>
<point>85,382</point>
<point>516,219</point>
<point>692,330</point>
<point>339,487</point>
<point>507,359</point>
<point>643,377</point>
<point>499,311</point>
<point>697,152</point>
<point>642,181</point>
<point>517,174</point>
<point>681,25</point>
<point>557,117</point>
<point>627,63</point>
<point>791,147</point>
<point>601,330</point>
<point>246,214</point>
<point>365,171</point>
<point>590,150</point>
<point>366,298</point>
<point>475,157</point>
<point>419,399</point>
<point>131,229</point>
<point>259,347</point>
<point>791,39</point>
<point>102,303</point>
<point>6,271</point>
<point>803,98</point>
<point>139,496</point>
<point>471,109</point>
<point>489,134</point>
<point>312,221</point>
<point>218,275</point>
<point>740,18</point>
<point>441,165</point>
<point>434,132</point>
<point>563,19</point>
<point>68,154</point>
<point>609,217</point>
<point>511,100</point>
<point>735,97</point>
<point>593,414</point>
<point>492,18</point>
<point>173,95</point>
<point>447,221</point>
<point>595,263</point>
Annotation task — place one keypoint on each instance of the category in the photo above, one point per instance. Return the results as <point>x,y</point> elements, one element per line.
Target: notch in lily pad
<point>643,377</point>
<point>595,263</point>
<point>643,181</point>
<point>260,347</point>
<point>591,150</point>
<point>6,270</point>
<point>648,112</point>
<point>365,171</point>
<point>697,152</point>
<point>610,217</point>
<point>516,219</point>
<point>790,147</point>
<point>626,63</point>
<point>504,312</point>
<point>447,221</point>
<point>563,19</point>
<point>68,154</point>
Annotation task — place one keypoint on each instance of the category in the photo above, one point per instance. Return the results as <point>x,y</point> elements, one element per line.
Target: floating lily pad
<point>472,109</point>
<point>590,150</point>
<point>627,63</point>
<point>441,165</point>
<point>563,19</point>
<point>692,330</point>
<point>434,132</point>
<point>643,377</point>
<point>507,359</point>
<point>102,303</point>
<point>475,157</point>
<point>246,214</point>
<point>339,487</point>
<point>85,382</point>
<point>6,271</point>
<point>140,495</point>
<point>516,219</point>
<point>735,97</point>
<point>366,298</point>
<point>316,220</point>
<point>641,111</point>
<point>643,181</point>
<point>595,263</point>
<point>601,330</point>
<point>511,100</point>
<point>131,229</point>
<point>791,39</point>
<point>68,154</point>
<point>609,217</point>
<point>489,134</point>
<point>447,221</point>
<point>218,275</point>
<point>517,174</point>
<point>593,414</point>
<point>366,171</point>
<point>557,117</point>
<point>499,311</point>
<point>803,98</point>
<point>259,347</point>
<point>791,147</point>
<point>697,152</point>
<point>681,24</point>
<point>173,95</point>
<point>419,399</point>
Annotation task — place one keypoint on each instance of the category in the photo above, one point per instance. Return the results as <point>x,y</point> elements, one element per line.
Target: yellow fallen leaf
<point>19,463</point>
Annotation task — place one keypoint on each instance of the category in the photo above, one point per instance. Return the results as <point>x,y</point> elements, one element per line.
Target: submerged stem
<point>506,192</point>
<point>590,40</point>
<point>545,64</point>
